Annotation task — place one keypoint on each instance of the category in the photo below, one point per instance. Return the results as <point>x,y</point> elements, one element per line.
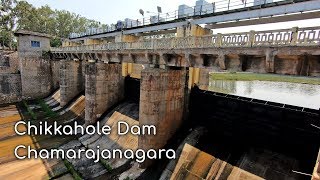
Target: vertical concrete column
<point>181,32</point>
<point>162,94</point>
<point>222,61</point>
<point>104,88</point>
<point>199,77</point>
<point>251,41</point>
<point>71,80</point>
<point>203,79</point>
<point>219,40</point>
<point>294,36</point>
<point>125,69</point>
<point>270,61</point>
<point>193,77</point>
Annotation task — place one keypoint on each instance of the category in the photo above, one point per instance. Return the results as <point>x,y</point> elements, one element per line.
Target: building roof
<point>25,32</point>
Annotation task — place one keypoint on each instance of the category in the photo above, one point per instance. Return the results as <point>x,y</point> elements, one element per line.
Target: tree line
<point>15,15</point>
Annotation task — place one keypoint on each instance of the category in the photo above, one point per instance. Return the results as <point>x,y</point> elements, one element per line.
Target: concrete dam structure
<point>163,82</point>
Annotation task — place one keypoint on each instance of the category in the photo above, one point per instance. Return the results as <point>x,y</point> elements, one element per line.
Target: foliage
<point>15,15</point>
<point>47,109</point>
<point>55,42</point>
<point>71,169</point>
<point>106,165</point>
<point>31,113</point>
<point>7,22</point>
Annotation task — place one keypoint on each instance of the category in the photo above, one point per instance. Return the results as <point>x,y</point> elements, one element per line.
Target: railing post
<point>294,36</point>
<point>213,7</point>
<point>153,46</point>
<point>219,40</point>
<point>251,38</point>
<point>193,43</point>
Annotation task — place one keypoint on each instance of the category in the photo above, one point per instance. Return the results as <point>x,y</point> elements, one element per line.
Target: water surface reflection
<point>303,95</point>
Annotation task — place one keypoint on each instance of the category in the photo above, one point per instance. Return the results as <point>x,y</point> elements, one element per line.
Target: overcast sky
<point>109,11</point>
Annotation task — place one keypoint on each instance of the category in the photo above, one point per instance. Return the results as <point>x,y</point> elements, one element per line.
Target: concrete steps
<point>43,169</point>
<point>192,139</point>
<point>87,168</point>
<point>114,141</point>
<point>196,164</point>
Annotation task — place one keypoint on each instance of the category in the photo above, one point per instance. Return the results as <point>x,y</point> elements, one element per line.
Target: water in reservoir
<point>302,95</point>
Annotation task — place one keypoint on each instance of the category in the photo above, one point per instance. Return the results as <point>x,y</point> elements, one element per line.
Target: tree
<point>7,22</point>
<point>55,42</point>
<point>17,15</point>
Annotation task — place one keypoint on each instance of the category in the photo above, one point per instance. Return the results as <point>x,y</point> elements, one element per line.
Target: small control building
<point>32,44</point>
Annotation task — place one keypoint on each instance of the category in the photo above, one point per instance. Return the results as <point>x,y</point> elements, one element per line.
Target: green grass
<point>47,109</point>
<point>30,112</point>
<point>264,77</point>
<point>106,165</point>
<point>71,169</point>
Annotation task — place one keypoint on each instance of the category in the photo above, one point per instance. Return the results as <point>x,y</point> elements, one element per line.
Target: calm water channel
<point>303,95</point>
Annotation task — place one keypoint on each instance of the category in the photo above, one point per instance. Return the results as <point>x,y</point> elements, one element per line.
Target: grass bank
<point>47,109</point>
<point>264,77</point>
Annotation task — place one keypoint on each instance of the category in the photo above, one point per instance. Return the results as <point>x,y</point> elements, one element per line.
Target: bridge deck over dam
<point>292,51</point>
<point>222,12</point>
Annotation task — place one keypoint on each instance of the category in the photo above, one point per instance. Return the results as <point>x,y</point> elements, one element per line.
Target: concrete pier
<point>71,80</point>
<point>161,104</point>
<point>104,88</point>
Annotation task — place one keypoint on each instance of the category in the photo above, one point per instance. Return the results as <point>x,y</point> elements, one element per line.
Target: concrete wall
<point>71,80</point>
<point>161,104</point>
<point>55,68</point>
<point>25,49</point>
<point>192,30</point>
<point>35,77</point>
<point>104,88</point>
<point>9,62</point>
<point>10,88</point>
<point>314,66</point>
<point>92,41</point>
<point>199,77</point>
<point>10,79</point>
<point>126,38</point>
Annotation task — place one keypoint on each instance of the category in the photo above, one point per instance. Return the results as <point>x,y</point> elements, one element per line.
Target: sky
<point>110,11</point>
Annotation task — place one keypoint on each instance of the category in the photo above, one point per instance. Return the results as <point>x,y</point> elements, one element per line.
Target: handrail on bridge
<point>295,36</point>
<point>188,12</point>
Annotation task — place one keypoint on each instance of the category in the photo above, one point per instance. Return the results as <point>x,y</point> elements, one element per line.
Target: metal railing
<point>295,36</point>
<point>187,12</point>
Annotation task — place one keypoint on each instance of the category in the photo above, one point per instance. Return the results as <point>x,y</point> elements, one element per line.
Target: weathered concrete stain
<point>161,104</point>
<point>104,88</point>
